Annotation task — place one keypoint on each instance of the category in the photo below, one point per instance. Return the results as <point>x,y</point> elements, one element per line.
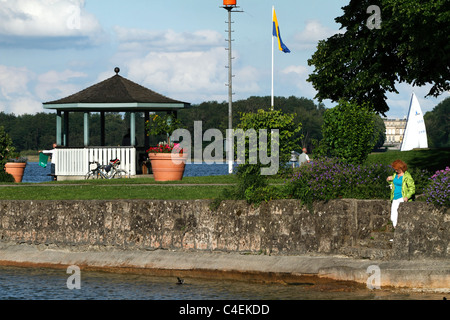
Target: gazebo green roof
<point>116,94</point>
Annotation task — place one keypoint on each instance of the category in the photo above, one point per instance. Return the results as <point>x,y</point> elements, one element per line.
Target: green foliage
<point>7,150</point>
<point>270,120</point>
<point>379,132</point>
<point>252,186</point>
<point>361,65</point>
<point>425,159</point>
<point>437,123</point>
<point>348,131</point>
<point>162,125</point>
<point>6,177</point>
<point>327,179</point>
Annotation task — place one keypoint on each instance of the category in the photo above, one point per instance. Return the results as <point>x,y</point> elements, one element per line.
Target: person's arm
<point>410,189</point>
<point>48,152</point>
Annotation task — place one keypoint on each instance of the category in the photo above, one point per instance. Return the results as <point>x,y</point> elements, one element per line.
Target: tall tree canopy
<point>438,125</point>
<point>411,45</point>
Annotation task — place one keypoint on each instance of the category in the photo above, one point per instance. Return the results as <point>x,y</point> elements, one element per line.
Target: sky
<point>50,49</point>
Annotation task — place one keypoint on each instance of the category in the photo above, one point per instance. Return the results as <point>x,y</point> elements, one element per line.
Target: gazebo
<point>116,94</point>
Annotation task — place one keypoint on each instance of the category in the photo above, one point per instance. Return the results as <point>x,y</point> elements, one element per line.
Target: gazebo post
<point>66,129</point>
<point>102,129</point>
<point>86,129</point>
<point>133,129</point>
<point>58,127</point>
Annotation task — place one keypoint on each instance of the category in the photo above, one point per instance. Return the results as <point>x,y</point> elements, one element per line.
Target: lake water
<point>51,284</point>
<point>34,173</point>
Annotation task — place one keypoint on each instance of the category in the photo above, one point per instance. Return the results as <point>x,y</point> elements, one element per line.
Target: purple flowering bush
<point>438,190</point>
<point>331,178</point>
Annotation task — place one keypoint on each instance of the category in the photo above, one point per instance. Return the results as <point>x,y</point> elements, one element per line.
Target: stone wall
<point>278,227</point>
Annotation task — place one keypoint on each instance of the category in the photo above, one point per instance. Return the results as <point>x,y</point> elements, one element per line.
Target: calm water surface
<point>18,283</point>
<point>35,173</point>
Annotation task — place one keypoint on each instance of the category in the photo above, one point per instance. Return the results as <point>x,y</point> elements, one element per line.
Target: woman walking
<point>402,188</point>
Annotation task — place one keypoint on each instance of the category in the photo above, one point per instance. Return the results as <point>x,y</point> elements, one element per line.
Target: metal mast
<point>229,6</point>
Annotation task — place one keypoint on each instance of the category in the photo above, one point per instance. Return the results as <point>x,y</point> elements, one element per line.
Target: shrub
<point>348,132</point>
<point>331,178</point>
<point>7,150</point>
<point>328,178</point>
<point>438,191</point>
<point>6,177</point>
<point>253,186</point>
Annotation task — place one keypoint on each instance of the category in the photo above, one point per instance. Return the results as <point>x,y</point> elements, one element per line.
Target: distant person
<point>126,140</point>
<point>52,154</point>
<point>402,188</point>
<point>303,158</point>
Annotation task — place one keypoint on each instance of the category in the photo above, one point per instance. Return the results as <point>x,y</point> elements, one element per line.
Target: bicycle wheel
<point>89,175</point>
<point>120,173</point>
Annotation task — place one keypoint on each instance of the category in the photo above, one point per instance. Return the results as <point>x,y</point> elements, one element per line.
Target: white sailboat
<point>415,135</point>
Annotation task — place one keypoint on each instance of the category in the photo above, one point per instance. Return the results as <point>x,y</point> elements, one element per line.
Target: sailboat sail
<point>415,136</point>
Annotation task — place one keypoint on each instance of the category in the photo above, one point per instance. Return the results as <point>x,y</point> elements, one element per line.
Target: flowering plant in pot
<point>165,147</point>
<point>10,161</point>
<point>18,159</point>
<point>167,159</point>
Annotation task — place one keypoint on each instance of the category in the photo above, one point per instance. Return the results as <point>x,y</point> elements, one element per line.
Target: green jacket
<point>408,186</point>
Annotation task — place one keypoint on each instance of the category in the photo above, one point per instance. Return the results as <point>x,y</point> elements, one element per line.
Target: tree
<point>348,131</point>
<point>437,123</point>
<point>379,132</point>
<point>252,185</point>
<point>362,64</point>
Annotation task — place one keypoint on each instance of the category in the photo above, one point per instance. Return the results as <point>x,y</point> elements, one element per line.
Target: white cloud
<point>399,103</point>
<point>13,80</point>
<point>54,85</point>
<point>36,23</point>
<point>167,40</point>
<point>14,94</point>
<point>181,74</point>
<point>25,105</point>
<point>297,75</point>
<point>22,91</point>
<point>188,66</point>
<point>310,36</point>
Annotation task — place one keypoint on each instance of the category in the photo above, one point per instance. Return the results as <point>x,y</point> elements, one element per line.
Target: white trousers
<point>394,210</point>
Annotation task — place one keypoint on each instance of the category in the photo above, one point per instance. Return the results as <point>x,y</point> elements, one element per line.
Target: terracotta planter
<point>16,169</point>
<point>165,168</point>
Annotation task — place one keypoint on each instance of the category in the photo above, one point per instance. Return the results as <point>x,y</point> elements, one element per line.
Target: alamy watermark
<point>374,21</point>
<point>74,281</point>
<point>374,279</point>
<point>257,142</point>
<point>74,17</point>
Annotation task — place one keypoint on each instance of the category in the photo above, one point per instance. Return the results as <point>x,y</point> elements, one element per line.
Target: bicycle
<point>113,170</point>
<point>110,171</point>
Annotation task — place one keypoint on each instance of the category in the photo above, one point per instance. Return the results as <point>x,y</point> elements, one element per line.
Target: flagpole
<point>272,99</point>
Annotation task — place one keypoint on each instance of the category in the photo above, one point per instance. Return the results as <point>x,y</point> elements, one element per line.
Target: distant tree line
<point>37,132</point>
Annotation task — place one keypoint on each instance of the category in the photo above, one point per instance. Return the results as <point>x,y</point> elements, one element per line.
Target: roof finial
<point>117,70</point>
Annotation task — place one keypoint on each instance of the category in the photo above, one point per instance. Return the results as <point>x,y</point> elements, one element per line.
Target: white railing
<point>75,162</point>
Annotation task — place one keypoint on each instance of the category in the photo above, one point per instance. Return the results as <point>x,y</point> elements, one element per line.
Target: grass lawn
<point>428,159</point>
<point>209,187</point>
<point>109,192</point>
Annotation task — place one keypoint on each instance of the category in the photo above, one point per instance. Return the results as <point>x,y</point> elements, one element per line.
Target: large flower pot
<point>167,166</point>
<point>16,169</point>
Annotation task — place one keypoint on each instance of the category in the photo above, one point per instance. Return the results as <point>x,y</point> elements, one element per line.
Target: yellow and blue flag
<point>276,33</point>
